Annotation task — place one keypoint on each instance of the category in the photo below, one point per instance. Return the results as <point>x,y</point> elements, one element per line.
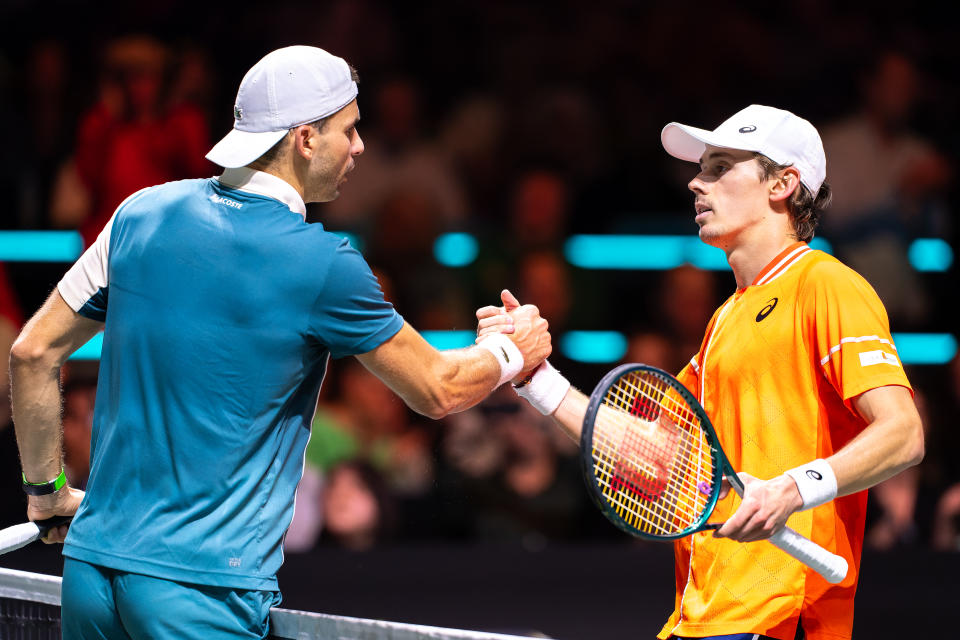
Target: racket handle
<point>829,565</point>
<point>18,536</point>
<point>21,535</point>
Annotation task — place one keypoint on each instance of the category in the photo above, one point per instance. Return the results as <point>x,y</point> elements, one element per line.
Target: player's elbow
<point>439,398</point>
<point>29,352</point>
<point>914,448</point>
<point>435,404</point>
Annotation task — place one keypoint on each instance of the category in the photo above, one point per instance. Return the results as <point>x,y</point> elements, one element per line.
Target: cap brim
<point>240,148</point>
<point>688,143</point>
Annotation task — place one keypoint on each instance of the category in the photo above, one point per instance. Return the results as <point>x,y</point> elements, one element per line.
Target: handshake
<point>525,327</point>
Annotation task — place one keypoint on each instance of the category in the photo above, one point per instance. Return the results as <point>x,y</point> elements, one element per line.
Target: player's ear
<point>303,141</point>
<point>783,187</point>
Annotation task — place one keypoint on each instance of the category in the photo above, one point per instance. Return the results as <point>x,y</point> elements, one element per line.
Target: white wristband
<point>816,482</point>
<point>506,353</point>
<point>545,390</point>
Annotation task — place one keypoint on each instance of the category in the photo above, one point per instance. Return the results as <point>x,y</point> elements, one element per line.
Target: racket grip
<point>18,536</point>
<point>829,565</point>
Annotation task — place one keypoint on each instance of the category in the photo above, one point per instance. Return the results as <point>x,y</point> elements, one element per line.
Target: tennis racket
<point>21,535</point>
<point>654,466</point>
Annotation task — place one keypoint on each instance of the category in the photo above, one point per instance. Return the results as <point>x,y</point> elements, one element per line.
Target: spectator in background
<point>133,137</point>
<point>537,216</point>
<point>368,422</point>
<point>471,139</point>
<point>78,401</point>
<point>358,512</point>
<point>514,477</point>
<point>33,132</point>
<point>398,158</point>
<point>652,348</point>
<point>687,298</point>
<point>896,501</point>
<point>946,525</point>
<point>539,211</point>
<point>11,318</point>
<point>886,182</point>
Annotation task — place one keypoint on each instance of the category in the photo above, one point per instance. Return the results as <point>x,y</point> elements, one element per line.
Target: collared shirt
<point>779,368</point>
<point>222,307</point>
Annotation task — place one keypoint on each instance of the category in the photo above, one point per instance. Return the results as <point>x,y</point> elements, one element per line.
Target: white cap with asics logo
<point>783,137</point>
<point>285,89</point>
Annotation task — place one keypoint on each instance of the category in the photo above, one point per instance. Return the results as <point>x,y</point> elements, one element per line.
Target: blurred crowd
<point>521,128</point>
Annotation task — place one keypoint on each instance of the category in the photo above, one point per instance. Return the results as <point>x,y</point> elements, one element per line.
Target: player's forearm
<point>36,399</point>
<point>885,448</point>
<point>461,379</point>
<point>569,415</point>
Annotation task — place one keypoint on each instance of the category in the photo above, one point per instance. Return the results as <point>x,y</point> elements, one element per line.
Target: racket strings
<point>652,459</point>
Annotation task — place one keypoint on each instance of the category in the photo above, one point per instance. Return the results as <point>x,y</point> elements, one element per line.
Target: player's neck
<point>748,259</point>
<point>287,173</point>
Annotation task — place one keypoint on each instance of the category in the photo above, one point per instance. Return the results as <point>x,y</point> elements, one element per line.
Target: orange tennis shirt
<point>779,367</point>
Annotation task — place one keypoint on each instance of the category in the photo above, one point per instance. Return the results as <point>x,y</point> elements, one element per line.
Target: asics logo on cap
<point>748,129</point>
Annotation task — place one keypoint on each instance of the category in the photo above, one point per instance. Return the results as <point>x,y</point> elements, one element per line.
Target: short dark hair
<point>805,208</point>
<point>273,154</point>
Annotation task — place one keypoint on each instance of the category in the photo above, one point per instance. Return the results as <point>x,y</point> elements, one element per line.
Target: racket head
<point>649,455</point>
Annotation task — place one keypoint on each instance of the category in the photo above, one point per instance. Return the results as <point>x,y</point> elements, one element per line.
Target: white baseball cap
<point>285,89</point>
<point>780,135</point>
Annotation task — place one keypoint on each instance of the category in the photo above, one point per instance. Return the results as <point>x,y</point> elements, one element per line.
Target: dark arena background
<point>510,145</point>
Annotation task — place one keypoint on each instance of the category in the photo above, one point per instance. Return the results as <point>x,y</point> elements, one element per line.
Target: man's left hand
<point>764,510</point>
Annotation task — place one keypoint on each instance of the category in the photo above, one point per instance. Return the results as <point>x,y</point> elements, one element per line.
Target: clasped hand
<point>523,323</point>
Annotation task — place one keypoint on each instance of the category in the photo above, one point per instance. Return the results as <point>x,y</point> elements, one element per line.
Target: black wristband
<point>44,488</point>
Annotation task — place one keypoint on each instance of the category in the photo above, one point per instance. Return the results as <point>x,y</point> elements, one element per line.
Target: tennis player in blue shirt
<point>220,308</point>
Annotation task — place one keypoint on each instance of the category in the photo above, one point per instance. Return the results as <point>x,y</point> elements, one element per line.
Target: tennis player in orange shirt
<point>799,374</point>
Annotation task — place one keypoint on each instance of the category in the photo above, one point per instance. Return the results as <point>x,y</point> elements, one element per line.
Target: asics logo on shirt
<point>767,310</point>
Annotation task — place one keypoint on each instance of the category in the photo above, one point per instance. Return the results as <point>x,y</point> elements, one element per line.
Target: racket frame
<point>721,466</point>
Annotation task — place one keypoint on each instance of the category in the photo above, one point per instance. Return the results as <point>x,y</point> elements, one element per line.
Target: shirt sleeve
<point>84,287</point>
<point>849,332</point>
<point>351,316</point>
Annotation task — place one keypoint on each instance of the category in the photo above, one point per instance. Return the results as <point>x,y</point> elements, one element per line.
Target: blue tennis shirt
<point>222,307</point>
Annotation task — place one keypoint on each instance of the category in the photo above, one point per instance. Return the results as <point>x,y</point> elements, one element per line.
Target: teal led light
<point>352,238</point>
<point>40,246</point>
<point>594,346</point>
<point>449,339</point>
<point>455,249</point>
<point>822,245</point>
<point>91,350</point>
<point>925,348</point>
<point>625,251</point>
<point>649,252</point>
<point>930,254</point>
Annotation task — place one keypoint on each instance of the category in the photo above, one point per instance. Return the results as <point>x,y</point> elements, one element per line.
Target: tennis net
<point>30,610</point>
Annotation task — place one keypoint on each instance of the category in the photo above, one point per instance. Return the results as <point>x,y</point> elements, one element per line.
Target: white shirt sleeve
<point>88,275</point>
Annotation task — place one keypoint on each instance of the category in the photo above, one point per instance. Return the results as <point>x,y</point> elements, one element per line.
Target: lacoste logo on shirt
<point>225,201</point>
<point>767,310</point>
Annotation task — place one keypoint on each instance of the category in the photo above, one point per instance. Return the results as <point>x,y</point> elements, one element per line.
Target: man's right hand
<point>64,502</point>
<point>523,323</point>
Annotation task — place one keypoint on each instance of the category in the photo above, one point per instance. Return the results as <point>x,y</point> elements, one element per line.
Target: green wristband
<point>44,488</point>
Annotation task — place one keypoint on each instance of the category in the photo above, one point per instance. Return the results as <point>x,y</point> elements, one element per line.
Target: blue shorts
<point>105,604</point>
<point>736,636</point>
